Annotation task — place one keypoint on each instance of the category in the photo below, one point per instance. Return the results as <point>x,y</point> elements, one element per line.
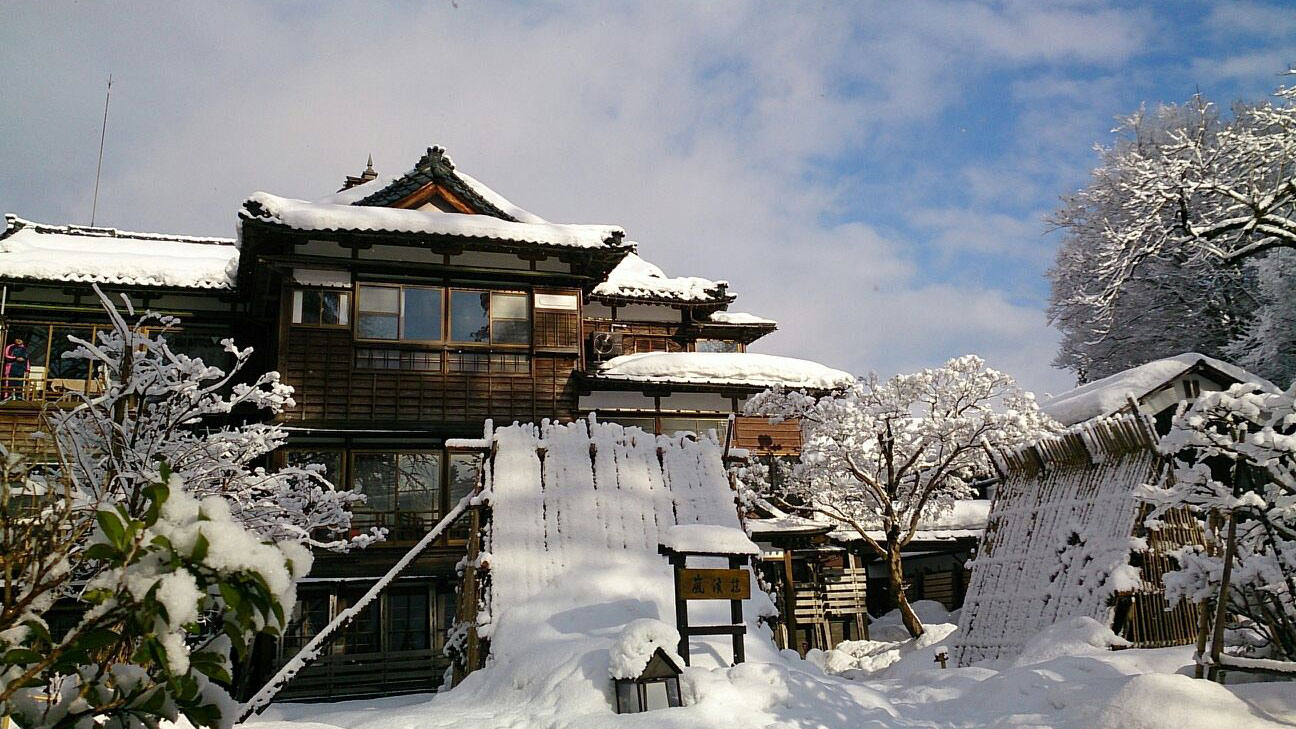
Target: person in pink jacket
<point>15,366</point>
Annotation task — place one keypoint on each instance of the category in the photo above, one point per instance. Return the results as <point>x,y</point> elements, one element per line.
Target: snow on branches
<point>884,456</point>
<point>158,405</point>
<point>1234,456</point>
<point>1170,207</point>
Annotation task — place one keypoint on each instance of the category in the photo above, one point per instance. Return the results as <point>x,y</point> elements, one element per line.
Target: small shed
<point>1065,538</point>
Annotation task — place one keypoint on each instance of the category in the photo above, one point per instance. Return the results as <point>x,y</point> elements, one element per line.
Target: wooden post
<point>681,608</point>
<point>1221,602</point>
<point>789,600</point>
<point>736,616</point>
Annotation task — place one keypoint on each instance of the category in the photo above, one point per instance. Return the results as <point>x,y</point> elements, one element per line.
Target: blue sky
<point>872,175</point>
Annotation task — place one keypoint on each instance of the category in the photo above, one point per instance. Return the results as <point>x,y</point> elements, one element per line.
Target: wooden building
<point>405,312</point>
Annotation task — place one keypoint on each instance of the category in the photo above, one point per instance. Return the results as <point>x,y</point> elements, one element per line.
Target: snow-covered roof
<point>709,539</point>
<point>315,216</point>
<point>106,255</point>
<point>966,520</point>
<point>1108,395</point>
<point>727,368</point>
<point>739,318</point>
<point>635,278</point>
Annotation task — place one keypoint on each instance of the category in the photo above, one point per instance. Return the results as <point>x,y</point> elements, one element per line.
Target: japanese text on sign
<point>714,584</point>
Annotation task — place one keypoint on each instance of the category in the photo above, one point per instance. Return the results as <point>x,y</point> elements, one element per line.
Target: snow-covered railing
<point>311,651</point>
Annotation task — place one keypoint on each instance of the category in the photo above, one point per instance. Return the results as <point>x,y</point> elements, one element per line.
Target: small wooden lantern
<point>658,687</point>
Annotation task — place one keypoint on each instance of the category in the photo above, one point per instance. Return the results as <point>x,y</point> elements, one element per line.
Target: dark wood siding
<point>318,363</point>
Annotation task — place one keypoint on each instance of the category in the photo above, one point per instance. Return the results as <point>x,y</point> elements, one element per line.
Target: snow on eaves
<point>727,368</point>
<point>739,318</point>
<point>635,278</point>
<point>1108,395</point>
<point>304,215</point>
<point>109,256</point>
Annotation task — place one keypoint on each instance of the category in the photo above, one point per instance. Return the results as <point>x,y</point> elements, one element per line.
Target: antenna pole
<point>94,207</point>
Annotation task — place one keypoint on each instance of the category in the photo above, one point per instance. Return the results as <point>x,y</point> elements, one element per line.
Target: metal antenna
<point>94,208</point>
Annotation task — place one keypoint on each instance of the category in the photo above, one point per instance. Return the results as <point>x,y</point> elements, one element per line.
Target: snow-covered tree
<point>162,406</point>
<point>881,457</point>
<point>1171,303</point>
<point>1156,242</point>
<point>1268,345</point>
<point>1234,455</point>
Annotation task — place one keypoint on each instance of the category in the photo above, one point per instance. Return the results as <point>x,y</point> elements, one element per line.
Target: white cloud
<point>715,132</point>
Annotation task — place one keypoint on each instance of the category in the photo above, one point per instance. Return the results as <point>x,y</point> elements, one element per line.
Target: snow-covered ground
<point>1066,678</point>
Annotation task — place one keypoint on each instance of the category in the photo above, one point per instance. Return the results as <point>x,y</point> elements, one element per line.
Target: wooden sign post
<point>732,584</point>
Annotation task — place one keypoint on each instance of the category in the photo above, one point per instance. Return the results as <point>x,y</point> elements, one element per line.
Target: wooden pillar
<point>789,600</point>
<point>681,608</point>
<point>735,614</point>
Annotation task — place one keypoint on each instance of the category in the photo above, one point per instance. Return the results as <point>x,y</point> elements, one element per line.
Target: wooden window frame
<point>490,318</point>
<point>400,313</point>
<point>345,308</point>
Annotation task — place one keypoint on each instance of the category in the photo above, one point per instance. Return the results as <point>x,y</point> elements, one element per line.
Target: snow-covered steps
<point>578,510</point>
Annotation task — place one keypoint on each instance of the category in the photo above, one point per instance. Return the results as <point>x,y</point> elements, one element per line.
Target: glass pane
<point>311,305</point>
<point>627,697</point>
<point>37,340</point>
<point>379,298</point>
<point>310,615</point>
<point>361,636</point>
<point>464,469</point>
<point>407,620</point>
<point>716,345</point>
<point>422,314</point>
<point>199,345</point>
<point>508,306</point>
<point>512,331</point>
<point>468,316</point>
<point>655,696</point>
<point>65,368</point>
<point>334,307</point>
<point>375,477</point>
<point>330,460</point>
<point>420,483</point>
<point>376,326</point>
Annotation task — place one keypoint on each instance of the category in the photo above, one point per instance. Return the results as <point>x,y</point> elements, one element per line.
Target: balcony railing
<point>37,386</point>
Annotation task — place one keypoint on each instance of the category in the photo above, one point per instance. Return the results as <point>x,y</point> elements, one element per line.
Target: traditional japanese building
<point>406,312</point>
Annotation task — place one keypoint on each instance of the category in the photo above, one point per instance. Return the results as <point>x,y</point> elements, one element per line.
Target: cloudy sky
<point>872,175</point>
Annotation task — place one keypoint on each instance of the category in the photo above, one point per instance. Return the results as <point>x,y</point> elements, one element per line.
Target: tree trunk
<point>896,584</point>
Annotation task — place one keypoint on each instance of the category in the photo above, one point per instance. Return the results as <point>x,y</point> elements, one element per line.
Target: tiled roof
<point>36,251</point>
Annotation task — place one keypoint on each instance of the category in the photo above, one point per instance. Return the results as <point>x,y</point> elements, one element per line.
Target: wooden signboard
<point>713,584</point>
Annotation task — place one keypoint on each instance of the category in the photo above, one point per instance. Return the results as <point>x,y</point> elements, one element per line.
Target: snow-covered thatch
<point>635,278</point>
<point>724,368</point>
<point>109,256</point>
<point>1111,394</point>
<point>1059,537</point>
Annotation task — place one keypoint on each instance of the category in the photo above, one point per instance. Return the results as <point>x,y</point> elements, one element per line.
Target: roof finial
<point>369,166</point>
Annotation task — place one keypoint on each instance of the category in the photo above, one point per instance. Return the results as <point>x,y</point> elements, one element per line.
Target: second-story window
<point>398,312</point>
<point>321,308</point>
<point>717,345</point>
<point>489,317</point>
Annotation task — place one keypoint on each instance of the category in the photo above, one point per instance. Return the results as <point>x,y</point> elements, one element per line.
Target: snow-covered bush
<point>881,457</point>
<point>137,656</point>
<point>1234,455</point>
